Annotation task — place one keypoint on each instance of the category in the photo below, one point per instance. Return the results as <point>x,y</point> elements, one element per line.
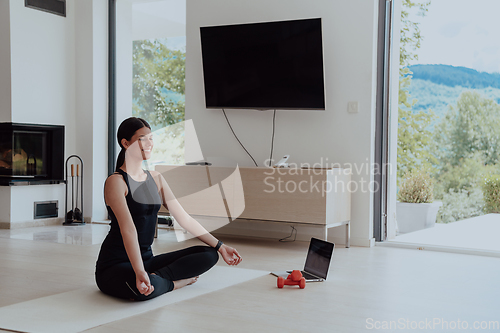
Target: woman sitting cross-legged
<point>126,267</point>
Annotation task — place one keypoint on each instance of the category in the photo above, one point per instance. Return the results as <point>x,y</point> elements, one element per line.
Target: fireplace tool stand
<point>74,216</point>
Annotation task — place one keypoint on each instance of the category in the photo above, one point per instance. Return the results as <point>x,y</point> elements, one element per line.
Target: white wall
<point>159,19</point>
<point>58,75</point>
<point>123,62</point>
<point>5,101</point>
<point>84,131</point>
<point>23,198</point>
<point>5,93</point>
<point>42,81</point>
<point>43,67</point>
<point>100,107</point>
<point>333,135</point>
<point>91,101</point>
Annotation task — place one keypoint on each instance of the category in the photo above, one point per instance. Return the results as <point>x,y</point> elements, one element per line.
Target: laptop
<point>317,261</point>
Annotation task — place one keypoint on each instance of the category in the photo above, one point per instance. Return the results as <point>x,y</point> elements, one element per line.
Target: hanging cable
<point>287,239</point>
<point>223,111</point>
<point>272,140</point>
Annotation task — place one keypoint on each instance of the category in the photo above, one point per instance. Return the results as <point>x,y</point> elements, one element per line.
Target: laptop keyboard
<point>308,276</point>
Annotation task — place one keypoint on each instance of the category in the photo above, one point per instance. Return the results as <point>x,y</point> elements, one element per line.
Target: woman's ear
<point>124,143</point>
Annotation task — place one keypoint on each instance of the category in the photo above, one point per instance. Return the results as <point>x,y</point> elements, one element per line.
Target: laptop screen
<point>318,257</point>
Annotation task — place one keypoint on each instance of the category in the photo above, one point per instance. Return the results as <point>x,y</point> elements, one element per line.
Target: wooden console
<point>313,197</point>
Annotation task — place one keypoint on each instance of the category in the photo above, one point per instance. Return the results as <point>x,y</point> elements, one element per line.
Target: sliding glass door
<point>150,71</point>
<point>447,131</point>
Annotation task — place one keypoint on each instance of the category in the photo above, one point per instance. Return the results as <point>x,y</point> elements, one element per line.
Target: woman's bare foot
<point>182,283</point>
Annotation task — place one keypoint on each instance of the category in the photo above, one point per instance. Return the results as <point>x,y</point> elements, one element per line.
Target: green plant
<point>467,175</point>
<point>416,187</point>
<point>460,205</point>
<point>491,193</point>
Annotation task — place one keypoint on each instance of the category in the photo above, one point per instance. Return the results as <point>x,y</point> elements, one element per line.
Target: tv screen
<point>272,65</point>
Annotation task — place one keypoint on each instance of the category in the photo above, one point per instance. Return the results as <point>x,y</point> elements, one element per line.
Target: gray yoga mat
<point>82,309</point>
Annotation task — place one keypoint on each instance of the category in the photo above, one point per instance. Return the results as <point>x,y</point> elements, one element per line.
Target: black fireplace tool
<point>74,216</point>
<point>70,214</point>
<point>77,212</point>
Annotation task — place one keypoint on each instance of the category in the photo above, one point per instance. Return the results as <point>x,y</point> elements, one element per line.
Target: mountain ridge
<point>453,76</point>
<point>439,97</point>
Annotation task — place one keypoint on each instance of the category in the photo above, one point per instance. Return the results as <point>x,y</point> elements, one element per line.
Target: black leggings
<point>119,280</point>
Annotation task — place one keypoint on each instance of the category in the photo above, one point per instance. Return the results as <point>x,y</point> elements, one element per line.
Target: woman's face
<point>140,145</point>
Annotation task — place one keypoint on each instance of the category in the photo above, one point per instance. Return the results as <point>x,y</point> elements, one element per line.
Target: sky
<point>160,19</point>
<point>172,10</point>
<point>461,33</point>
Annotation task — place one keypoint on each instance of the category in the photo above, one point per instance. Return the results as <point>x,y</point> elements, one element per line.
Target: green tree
<point>414,135</point>
<point>158,73</point>
<point>410,37</point>
<point>468,174</point>
<point>467,143</point>
<point>471,128</point>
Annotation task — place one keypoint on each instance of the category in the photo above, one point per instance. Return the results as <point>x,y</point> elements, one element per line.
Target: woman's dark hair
<point>126,131</point>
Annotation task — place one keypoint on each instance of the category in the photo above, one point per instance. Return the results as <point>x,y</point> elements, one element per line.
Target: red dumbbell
<point>294,279</point>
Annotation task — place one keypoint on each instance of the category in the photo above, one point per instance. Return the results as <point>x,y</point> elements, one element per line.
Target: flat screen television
<point>271,65</point>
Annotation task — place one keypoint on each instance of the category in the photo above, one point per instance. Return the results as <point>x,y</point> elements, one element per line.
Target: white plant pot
<point>416,216</point>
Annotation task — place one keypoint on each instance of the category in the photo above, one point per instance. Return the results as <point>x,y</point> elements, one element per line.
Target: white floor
<point>475,234</point>
<point>367,288</point>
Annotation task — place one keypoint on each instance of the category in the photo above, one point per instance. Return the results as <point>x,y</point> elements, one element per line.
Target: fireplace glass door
<point>31,153</point>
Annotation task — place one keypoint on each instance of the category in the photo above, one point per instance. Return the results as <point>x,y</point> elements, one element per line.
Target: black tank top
<point>143,202</point>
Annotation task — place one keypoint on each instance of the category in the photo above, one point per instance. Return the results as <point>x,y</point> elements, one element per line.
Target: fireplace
<point>31,154</point>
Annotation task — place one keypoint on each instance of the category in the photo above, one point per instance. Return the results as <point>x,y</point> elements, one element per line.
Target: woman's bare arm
<point>181,216</point>
<point>115,191</point>
<point>229,254</point>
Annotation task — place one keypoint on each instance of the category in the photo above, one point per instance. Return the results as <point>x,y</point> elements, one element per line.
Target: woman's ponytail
<point>126,130</point>
<point>121,159</point>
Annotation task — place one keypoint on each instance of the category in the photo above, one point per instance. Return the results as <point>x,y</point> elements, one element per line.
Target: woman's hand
<point>143,284</point>
<point>230,255</point>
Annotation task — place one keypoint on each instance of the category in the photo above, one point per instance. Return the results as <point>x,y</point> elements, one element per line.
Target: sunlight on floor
<point>478,233</point>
